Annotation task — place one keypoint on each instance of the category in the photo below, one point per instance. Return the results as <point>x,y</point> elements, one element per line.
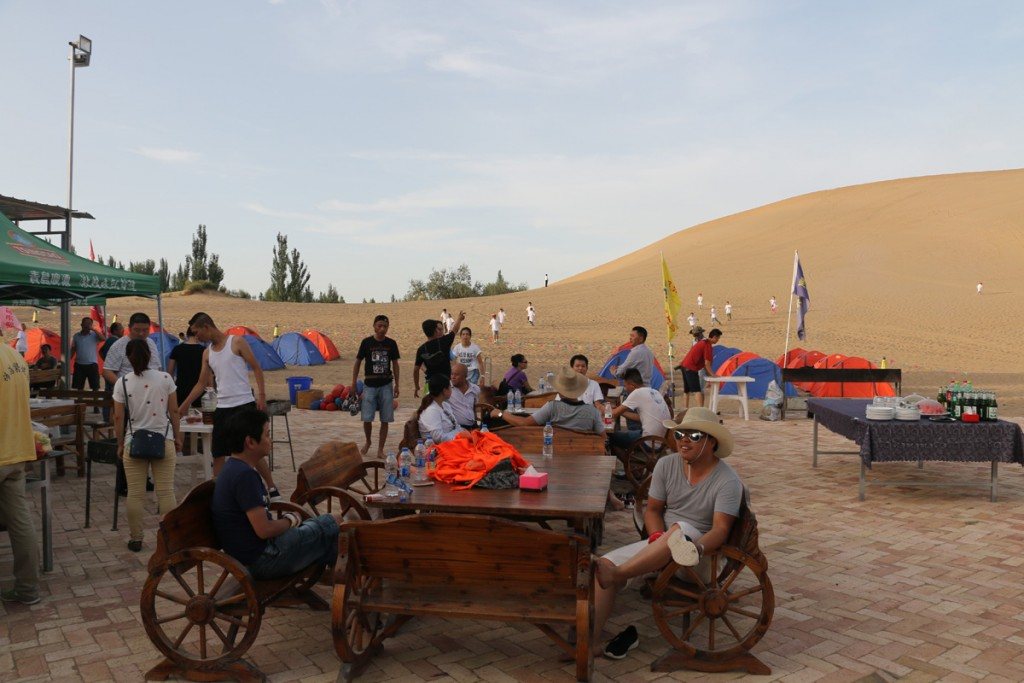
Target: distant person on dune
<point>495,327</point>
<point>531,314</point>
<point>728,311</point>
<point>691,319</point>
<point>774,304</point>
<point>501,316</point>
<point>979,288</point>
<point>700,300</point>
<point>714,316</point>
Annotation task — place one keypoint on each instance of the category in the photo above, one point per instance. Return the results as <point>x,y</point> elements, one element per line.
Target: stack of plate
<point>880,412</point>
<point>908,414</point>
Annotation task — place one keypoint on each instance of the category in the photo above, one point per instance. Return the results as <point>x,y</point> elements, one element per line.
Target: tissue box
<point>533,482</point>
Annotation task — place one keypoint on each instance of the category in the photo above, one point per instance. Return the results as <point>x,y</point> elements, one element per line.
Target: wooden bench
<point>336,478</point>
<point>72,416</point>
<point>567,441</point>
<point>862,375</point>
<point>459,566</point>
<point>202,608</point>
<point>45,379</point>
<point>713,614</point>
<point>94,400</point>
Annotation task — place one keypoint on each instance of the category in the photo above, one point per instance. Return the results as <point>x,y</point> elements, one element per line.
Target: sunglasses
<point>692,436</point>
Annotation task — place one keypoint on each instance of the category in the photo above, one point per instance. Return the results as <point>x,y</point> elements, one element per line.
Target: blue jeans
<point>624,439</point>
<point>313,541</point>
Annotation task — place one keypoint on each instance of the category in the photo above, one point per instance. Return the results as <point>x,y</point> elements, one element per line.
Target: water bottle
<point>430,454</point>
<point>483,428</point>
<point>519,400</point>
<point>511,400</point>
<point>608,415</point>
<point>419,472</point>
<point>405,464</point>
<point>549,441</point>
<point>390,473</point>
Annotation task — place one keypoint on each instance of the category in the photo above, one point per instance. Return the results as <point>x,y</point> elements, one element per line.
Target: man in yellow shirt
<point>16,448</point>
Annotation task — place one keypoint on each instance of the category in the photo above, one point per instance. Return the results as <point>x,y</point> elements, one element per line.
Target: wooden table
<point>741,389</point>
<point>577,493</point>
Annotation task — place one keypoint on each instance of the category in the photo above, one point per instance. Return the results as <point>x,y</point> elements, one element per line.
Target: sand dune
<point>891,268</point>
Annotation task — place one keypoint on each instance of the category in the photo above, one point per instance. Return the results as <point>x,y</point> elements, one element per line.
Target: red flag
<point>92,254</point>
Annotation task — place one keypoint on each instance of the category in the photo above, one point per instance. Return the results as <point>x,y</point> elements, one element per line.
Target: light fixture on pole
<point>81,55</point>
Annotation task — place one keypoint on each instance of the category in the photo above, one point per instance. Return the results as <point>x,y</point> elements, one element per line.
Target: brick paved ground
<point>914,582</point>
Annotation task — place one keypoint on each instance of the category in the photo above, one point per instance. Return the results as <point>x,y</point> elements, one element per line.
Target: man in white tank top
<point>227,361</point>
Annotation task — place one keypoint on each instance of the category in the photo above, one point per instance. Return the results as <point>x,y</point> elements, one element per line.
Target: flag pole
<point>671,352</point>
<point>789,316</point>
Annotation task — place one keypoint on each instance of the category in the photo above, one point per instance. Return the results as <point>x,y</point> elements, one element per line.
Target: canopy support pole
<point>789,321</point>
<point>160,322</point>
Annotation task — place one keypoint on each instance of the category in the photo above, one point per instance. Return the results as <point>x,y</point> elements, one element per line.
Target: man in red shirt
<point>698,358</point>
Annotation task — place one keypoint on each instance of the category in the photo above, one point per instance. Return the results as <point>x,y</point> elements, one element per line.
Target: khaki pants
<point>135,471</point>
<point>14,514</point>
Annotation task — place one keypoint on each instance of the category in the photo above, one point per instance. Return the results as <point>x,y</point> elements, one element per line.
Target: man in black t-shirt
<point>380,381</point>
<point>435,353</point>
<point>187,360</point>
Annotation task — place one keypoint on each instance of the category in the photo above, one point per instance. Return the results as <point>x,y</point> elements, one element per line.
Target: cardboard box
<point>533,482</point>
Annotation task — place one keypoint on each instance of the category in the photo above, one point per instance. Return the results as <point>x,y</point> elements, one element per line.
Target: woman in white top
<point>146,399</point>
<point>436,419</point>
<point>469,354</point>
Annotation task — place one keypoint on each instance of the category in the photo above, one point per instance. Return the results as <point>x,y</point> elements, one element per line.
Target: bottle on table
<point>607,415</point>
<point>549,440</point>
<point>405,464</point>
<point>511,405</point>
<point>430,454</point>
<point>419,469</point>
<point>483,427</point>
<point>519,400</point>
<point>391,474</point>
<point>993,408</point>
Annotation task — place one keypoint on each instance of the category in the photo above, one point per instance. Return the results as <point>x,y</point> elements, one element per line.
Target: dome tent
<point>265,354</point>
<point>763,371</point>
<point>36,337</point>
<point>242,330</point>
<point>729,366</point>
<point>295,349</point>
<point>323,343</point>
<point>720,354</point>
<point>849,389</point>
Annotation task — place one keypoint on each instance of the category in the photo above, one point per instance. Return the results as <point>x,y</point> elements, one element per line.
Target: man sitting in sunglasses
<point>693,501</point>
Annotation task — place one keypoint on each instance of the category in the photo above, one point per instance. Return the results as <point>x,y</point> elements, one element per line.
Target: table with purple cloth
<point>920,440</point>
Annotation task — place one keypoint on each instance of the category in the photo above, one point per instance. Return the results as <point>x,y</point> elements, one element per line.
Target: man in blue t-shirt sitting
<point>269,548</point>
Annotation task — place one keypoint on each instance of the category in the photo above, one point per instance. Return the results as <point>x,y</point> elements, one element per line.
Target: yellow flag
<point>672,302</point>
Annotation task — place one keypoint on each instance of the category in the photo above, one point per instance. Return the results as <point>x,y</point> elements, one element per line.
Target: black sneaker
<point>621,644</point>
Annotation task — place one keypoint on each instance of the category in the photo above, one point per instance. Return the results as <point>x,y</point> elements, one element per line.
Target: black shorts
<point>220,447</point>
<point>691,382</point>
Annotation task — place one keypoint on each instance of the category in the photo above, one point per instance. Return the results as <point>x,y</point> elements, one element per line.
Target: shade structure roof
<point>23,210</point>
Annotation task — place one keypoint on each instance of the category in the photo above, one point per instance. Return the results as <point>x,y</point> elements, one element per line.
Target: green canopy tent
<point>34,272</point>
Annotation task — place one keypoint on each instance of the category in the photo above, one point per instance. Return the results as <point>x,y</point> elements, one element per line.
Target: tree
<point>198,260</point>
<point>501,286</point>
<point>147,267</point>
<point>164,273</point>
<point>278,290</point>
<point>331,296</point>
<point>214,272</point>
<point>180,278</point>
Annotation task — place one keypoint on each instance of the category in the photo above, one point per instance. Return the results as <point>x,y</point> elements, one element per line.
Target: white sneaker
<point>684,551</point>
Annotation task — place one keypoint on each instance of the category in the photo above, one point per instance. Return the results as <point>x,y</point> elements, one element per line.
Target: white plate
<point>926,415</point>
<point>880,419</point>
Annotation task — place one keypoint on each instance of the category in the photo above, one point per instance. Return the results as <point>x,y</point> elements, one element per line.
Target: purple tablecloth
<point>922,440</point>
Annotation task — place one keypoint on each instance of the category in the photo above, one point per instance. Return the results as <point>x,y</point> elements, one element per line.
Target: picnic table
<point>920,440</point>
<point>577,492</point>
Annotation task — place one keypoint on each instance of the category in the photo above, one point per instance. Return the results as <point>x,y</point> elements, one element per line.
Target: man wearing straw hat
<point>693,501</point>
<point>568,411</point>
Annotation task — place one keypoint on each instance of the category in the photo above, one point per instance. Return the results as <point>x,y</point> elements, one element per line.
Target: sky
<point>386,139</point>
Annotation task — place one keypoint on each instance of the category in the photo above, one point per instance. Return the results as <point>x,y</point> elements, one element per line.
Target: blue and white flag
<point>800,290</point>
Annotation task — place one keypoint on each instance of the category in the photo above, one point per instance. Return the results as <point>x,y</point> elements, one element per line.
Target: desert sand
<point>891,268</point>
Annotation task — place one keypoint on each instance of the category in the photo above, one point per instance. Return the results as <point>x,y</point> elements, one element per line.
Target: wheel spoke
<point>188,589</point>
<point>681,612</point>
<point>181,638</point>
<point>711,633</point>
<point>172,598</point>
<point>219,584</point>
<point>234,599</point>
<point>199,578</point>
<point>693,626</point>
<point>681,591</point>
<point>202,641</point>
<point>175,617</point>
<point>732,628</point>
<point>220,634</point>
<point>714,567</point>
<point>696,578</point>
<point>227,617</point>
<point>744,593</point>
<point>740,610</point>
<point>732,577</point>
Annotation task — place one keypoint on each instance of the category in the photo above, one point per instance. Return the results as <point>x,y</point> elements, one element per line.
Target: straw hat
<point>703,420</point>
<point>569,383</point>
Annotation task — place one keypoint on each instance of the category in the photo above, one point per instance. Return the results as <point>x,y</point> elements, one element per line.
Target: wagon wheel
<point>641,458</point>
<point>356,629</point>
<point>325,500</point>
<point>719,619</point>
<point>372,480</point>
<point>200,609</point>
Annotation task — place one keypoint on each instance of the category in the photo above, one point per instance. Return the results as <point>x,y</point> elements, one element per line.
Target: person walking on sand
<point>495,327</point>
<point>700,300</point>
<point>773,303</point>
<point>728,311</point>
<point>501,316</point>
<point>979,288</point>
<point>379,353</point>
<point>691,319</point>
<point>531,314</point>
<point>714,316</point>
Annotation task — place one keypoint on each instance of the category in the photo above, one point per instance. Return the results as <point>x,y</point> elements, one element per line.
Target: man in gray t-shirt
<point>568,411</point>
<point>693,501</point>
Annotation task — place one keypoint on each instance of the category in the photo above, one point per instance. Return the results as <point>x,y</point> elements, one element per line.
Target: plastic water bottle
<point>419,472</point>
<point>549,440</point>
<point>483,428</point>
<point>405,464</point>
<point>519,400</point>
<point>430,455</point>
<point>390,472</point>
<point>511,400</point>
<point>608,415</point>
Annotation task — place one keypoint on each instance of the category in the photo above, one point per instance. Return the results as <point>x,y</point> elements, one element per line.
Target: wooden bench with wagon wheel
<point>459,566</point>
<point>336,478</point>
<point>713,614</point>
<point>201,608</point>
<point>566,441</point>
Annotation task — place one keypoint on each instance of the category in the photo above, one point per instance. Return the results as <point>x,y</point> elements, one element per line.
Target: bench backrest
<point>567,441</point>
<point>65,416</point>
<point>96,399</point>
<point>188,525</point>
<point>743,534</point>
<point>468,550</point>
<point>333,464</point>
<point>37,376</point>
<point>539,400</point>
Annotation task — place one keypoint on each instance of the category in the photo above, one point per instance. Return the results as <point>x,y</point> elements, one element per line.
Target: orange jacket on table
<point>471,455</point>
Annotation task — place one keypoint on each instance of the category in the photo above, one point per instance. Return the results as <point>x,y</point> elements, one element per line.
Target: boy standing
<point>380,381</point>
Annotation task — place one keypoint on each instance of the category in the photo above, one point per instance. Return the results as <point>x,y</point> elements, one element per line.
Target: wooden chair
<point>45,379</point>
<point>567,441</point>
<point>100,427</point>
<point>539,400</point>
<point>336,478</point>
<point>69,417</point>
<point>712,622</point>
<point>641,457</point>
<point>459,566</point>
<point>410,433</point>
<point>201,608</point>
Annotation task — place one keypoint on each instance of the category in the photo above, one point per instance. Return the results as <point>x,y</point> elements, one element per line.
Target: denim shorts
<point>474,376</point>
<point>379,399</point>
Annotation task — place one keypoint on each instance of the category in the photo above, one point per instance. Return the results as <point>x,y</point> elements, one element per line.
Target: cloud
<point>471,64</point>
<point>168,155</point>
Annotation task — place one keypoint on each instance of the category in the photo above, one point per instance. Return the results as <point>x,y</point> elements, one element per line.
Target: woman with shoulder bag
<point>146,400</point>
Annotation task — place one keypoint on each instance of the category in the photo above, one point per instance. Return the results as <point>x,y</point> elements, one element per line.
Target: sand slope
<point>891,268</point>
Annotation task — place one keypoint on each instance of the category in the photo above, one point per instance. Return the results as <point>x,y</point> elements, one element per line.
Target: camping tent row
<point>312,347</point>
